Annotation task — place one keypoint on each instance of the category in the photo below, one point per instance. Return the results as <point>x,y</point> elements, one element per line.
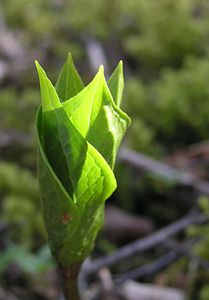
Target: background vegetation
<point>165,48</point>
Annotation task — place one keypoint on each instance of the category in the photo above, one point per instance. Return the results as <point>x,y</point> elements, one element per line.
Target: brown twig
<point>160,263</point>
<point>138,160</point>
<point>201,262</point>
<point>145,243</point>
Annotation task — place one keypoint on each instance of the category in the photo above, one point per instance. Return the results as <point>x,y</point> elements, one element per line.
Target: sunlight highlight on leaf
<point>79,131</point>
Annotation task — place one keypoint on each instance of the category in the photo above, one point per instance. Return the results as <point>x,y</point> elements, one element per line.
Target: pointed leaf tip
<point>70,59</point>
<point>69,82</point>
<point>38,66</point>
<point>120,62</point>
<point>49,97</point>
<point>40,70</point>
<point>120,65</point>
<point>69,56</point>
<point>100,74</point>
<point>116,83</point>
<point>101,69</point>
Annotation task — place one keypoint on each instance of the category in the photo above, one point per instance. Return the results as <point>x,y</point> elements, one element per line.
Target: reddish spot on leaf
<point>66,218</point>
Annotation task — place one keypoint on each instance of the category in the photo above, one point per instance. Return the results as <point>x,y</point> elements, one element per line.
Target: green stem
<point>70,282</point>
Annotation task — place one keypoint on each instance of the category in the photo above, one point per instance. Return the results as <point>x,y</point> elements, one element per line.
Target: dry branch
<point>137,291</point>
<point>160,263</point>
<point>146,163</point>
<point>145,243</point>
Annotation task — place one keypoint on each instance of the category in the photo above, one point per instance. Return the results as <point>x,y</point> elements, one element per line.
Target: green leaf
<point>27,261</point>
<point>57,204</point>
<point>116,83</point>
<point>69,82</point>
<point>84,107</point>
<point>78,141</point>
<point>96,116</point>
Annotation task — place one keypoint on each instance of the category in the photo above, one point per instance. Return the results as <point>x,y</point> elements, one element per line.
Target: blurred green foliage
<point>19,204</point>
<point>28,262</point>
<point>20,108</point>
<point>164,32</point>
<point>171,111</point>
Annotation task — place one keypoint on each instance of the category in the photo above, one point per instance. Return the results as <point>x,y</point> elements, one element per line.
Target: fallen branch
<point>188,253</point>
<point>134,291</point>
<point>160,263</point>
<point>146,163</point>
<point>144,243</point>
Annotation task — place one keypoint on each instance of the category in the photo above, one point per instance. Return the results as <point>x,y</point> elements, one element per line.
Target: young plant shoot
<point>79,131</point>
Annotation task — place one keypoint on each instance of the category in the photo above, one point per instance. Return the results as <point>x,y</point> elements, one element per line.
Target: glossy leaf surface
<point>79,132</point>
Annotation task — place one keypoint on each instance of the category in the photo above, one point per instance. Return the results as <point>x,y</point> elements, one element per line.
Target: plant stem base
<point>70,282</point>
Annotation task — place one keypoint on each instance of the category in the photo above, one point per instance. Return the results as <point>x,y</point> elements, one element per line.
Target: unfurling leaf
<point>79,131</point>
